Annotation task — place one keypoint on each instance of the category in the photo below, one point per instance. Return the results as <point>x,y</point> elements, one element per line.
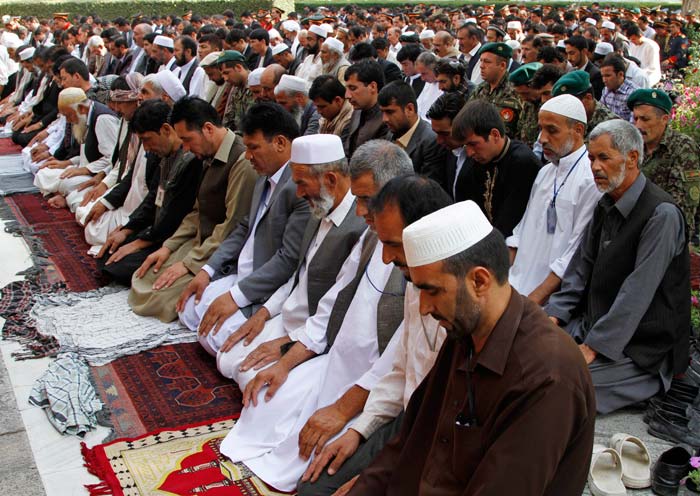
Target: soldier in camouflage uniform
<point>234,69</point>
<point>496,89</point>
<point>578,83</point>
<point>671,158</point>
<point>528,128</point>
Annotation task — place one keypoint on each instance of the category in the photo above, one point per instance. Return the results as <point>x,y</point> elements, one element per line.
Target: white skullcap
<point>470,20</point>
<point>273,33</point>
<point>71,96</point>
<point>591,21</point>
<point>514,25</point>
<point>11,40</point>
<point>514,44</point>
<point>444,233</point>
<point>603,48</point>
<point>279,48</point>
<point>164,41</point>
<point>327,27</point>
<point>566,105</point>
<point>317,149</point>
<point>290,25</point>
<point>171,85</point>
<point>408,33</point>
<point>335,45</point>
<point>318,31</point>
<point>210,59</point>
<point>609,24</point>
<point>27,53</point>
<point>426,34</point>
<point>254,76</point>
<point>291,83</point>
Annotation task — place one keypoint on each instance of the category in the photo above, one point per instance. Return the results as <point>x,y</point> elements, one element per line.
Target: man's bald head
<point>269,79</point>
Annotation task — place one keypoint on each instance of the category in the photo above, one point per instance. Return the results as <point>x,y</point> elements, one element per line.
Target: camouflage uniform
<point>239,100</point>
<point>600,114</point>
<point>674,166</point>
<point>528,123</point>
<point>505,99</point>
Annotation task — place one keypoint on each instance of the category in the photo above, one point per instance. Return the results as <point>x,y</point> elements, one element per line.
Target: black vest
<point>188,77</point>
<point>664,328</point>
<point>92,150</point>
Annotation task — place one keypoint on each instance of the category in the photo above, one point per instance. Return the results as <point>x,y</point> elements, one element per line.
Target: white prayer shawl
<point>540,253</point>
<point>416,351</point>
<point>427,97</point>
<point>266,437</point>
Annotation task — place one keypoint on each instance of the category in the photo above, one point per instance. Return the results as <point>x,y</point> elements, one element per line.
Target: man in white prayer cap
<point>163,85</point>
<point>215,87</point>
<point>561,202</point>
<point>333,57</point>
<point>95,127</point>
<point>163,52</point>
<point>293,94</point>
<point>508,383</point>
<point>324,376</point>
<point>254,80</point>
<point>312,66</point>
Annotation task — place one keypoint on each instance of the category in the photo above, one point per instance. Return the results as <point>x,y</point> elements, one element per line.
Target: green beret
<point>524,74</point>
<point>500,49</point>
<point>655,98</point>
<point>230,56</point>
<point>573,83</point>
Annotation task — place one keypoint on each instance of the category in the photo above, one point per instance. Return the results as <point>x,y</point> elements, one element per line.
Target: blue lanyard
<point>557,190</point>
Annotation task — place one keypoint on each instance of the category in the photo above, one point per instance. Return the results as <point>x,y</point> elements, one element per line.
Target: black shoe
<point>669,469</point>
<point>673,428</point>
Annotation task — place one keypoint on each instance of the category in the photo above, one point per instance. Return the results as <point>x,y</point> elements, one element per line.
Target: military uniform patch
<point>507,115</point>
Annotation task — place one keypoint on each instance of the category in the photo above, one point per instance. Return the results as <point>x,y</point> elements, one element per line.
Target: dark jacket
<point>364,125</point>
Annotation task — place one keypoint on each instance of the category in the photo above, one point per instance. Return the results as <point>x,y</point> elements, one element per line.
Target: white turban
<point>291,83</point>
<point>566,105</point>
<point>254,76</point>
<point>335,44</point>
<point>171,85</point>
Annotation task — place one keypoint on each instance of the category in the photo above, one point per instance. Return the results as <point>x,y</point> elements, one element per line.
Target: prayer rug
<point>7,147</point>
<point>181,461</point>
<point>171,385</point>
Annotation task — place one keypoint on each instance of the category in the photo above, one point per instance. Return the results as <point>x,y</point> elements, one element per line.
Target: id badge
<point>551,218</point>
<point>159,196</point>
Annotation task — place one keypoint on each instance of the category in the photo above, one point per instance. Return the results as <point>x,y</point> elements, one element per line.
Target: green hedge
<point>112,9</point>
<point>462,3</point>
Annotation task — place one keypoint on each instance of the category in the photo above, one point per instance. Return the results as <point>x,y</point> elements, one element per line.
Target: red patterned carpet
<point>7,147</point>
<point>169,386</point>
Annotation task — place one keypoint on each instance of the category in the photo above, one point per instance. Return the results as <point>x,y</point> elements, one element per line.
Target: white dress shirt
<point>636,75</point>
<point>106,128</point>
<point>197,81</point>
<point>113,176</point>
<point>311,68</point>
<point>540,253</point>
<point>461,155</point>
<point>170,65</point>
<point>476,71</point>
<point>427,97</point>
<point>421,338</point>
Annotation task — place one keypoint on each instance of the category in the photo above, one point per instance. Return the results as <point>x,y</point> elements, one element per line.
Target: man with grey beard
<point>293,94</point>
<point>95,127</point>
<point>625,296</point>
<point>560,206</point>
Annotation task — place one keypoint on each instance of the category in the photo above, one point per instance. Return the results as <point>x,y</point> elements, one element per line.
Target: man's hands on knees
<point>322,425</point>
<point>264,354</point>
<point>155,260</point>
<point>336,453</point>
<point>272,378</point>
<point>195,287</point>
<point>248,331</point>
<point>220,309</point>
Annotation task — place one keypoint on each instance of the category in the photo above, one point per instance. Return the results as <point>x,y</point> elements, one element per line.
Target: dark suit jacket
<point>458,192</point>
<point>251,58</point>
<point>417,84</point>
<point>124,65</point>
<point>596,79</point>
<point>513,66</point>
<point>470,66</point>
<point>391,71</point>
<point>276,244</point>
<point>364,125</point>
<point>427,156</point>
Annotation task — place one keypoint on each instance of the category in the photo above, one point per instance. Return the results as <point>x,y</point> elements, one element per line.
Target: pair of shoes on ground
<point>624,464</point>
<point>675,417</point>
<point>671,467</point>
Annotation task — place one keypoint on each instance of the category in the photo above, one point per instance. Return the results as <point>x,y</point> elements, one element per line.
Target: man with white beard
<point>293,94</point>
<point>333,58</point>
<point>309,398</point>
<point>95,127</point>
<point>561,202</point>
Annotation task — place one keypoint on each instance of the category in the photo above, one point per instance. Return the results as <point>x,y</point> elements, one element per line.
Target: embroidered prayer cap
<point>230,56</point>
<point>254,77</point>
<point>427,34</point>
<point>566,105</point>
<point>290,25</point>
<point>603,48</point>
<point>164,41</point>
<point>318,31</point>
<point>171,85</point>
<point>573,83</point>
<point>609,25</point>
<point>210,59</point>
<point>524,74</point>
<point>591,21</point>
<point>500,49</point>
<point>445,233</point>
<point>279,48</point>
<point>317,149</point>
<point>27,53</point>
<point>71,96</point>
<point>650,96</point>
<point>335,44</point>
<point>291,83</point>
<point>514,25</point>
<point>514,44</point>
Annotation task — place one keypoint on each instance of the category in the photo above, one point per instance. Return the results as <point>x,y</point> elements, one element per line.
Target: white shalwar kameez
<point>266,437</point>
<point>49,180</point>
<point>540,253</point>
<point>56,130</point>
<point>427,97</point>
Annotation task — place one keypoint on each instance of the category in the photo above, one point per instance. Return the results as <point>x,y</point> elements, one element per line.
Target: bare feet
<point>58,201</point>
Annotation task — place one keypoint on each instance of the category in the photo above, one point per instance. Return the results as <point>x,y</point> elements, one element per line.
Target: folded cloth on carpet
<point>68,396</point>
<point>17,183</point>
<point>11,165</point>
<point>99,325</point>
